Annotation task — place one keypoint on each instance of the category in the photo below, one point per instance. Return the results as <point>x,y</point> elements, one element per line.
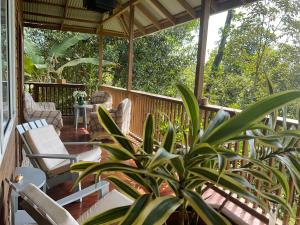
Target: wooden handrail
<point>60,94</point>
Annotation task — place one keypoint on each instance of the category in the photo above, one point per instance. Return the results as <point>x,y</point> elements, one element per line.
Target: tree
<point>50,67</point>
<point>160,60</point>
<point>263,42</point>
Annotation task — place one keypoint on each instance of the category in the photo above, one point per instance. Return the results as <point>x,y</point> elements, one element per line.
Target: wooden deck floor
<point>76,209</point>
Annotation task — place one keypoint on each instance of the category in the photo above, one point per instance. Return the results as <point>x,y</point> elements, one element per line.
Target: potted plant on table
<point>201,161</point>
<point>79,97</point>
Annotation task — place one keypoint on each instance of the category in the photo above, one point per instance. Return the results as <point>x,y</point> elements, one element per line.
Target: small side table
<point>30,175</point>
<point>83,108</point>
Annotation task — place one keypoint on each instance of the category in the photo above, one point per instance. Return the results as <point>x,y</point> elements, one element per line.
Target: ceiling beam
<point>59,17</point>
<point>124,24</point>
<point>149,15</point>
<point>56,26</point>
<point>164,11</point>
<point>217,7</point>
<point>137,23</point>
<point>121,10</point>
<point>188,8</point>
<point>65,14</point>
<point>53,4</point>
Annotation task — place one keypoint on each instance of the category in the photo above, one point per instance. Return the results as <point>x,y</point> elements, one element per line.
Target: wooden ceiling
<point>150,15</point>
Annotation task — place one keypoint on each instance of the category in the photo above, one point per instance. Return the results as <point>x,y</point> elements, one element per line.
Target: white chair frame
<point>51,181</point>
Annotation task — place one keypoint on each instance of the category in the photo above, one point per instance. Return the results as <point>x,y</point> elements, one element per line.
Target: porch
<point>173,109</point>
<point>131,19</point>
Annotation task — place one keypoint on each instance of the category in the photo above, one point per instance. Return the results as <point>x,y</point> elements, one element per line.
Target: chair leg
<point>78,188</point>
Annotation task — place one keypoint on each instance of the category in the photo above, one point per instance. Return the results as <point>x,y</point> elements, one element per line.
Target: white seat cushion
<point>57,213</point>
<point>45,140</point>
<point>111,200</point>
<point>93,155</point>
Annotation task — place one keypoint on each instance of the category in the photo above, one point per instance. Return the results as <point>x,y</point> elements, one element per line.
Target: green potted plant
<point>79,97</point>
<point>199,162</point>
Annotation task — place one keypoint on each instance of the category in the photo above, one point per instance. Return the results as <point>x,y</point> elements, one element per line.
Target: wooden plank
<point>164,11</point>
<point>124,24</point>
<point>130,46</point>
<point>149,15</point>
<point>189,8</point>
<point>203,32</point>
<point>101,48</point>
<point>65,14</point>
<point>60,17</point>
<point>122,9</point>
<point>136,23</point>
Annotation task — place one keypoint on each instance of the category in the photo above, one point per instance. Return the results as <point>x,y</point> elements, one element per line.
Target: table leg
<point>76,117</point>
<point>84,118</point>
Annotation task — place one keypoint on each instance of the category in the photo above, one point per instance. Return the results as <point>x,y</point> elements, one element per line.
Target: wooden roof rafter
<point>65,14</point>
<point>164,11</point>
<point>123,24</point>
<point>137,23</point>
<point>60,17</point>
<point>190,10</point>
<point>149,15</point>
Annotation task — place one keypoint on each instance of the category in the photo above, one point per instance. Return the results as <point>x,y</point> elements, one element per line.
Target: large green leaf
<point>247,117</point>
<point>223,180</point>
<point>205,212</point>
<point>108,217</point>
<point>108,166</point>
<point>192,108</point>
<point>169,138</point>
<point>118,152</point>
<point>33,52</point>
<point>220,118</point>
<point>111,127</point>
<point>282,179</point>
<point>158,211</point>
<point>279,200</point>
<point>135,210</point>
<point>148,134</point>
<point>124,187</point>
<point>160,158</point>
<point>75,62</point>
<point>60,49</point>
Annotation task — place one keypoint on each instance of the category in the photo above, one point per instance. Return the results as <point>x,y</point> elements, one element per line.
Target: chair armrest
<point>102,186</point>
<point>46,105</point>
<point>83,143</point>
<point>54,156</point>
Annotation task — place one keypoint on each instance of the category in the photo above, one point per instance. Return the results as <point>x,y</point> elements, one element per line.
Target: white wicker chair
<point>121,115</point>
<point>42,110</point>
<point>101,98</point>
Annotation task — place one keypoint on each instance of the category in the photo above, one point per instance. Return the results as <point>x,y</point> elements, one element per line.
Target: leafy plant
<point>201,162</point>
<point>35,64</point>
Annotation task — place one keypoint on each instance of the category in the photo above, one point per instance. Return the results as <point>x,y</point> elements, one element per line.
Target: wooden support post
<point>101,47</point>
<point>204,19</point>
<point>130,46</point>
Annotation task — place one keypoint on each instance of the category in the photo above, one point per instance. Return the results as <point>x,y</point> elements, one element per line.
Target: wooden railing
<point>143,103</point>
<point>161,107</point>
<point>60,94</point>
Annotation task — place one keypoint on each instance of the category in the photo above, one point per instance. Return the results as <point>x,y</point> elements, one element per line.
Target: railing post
<point>203,32</point>
<point>101,47</point>
<point>35,93</point>
<point>130,46</point>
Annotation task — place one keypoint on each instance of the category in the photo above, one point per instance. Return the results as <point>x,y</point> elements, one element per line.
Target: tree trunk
<point>220,53</point>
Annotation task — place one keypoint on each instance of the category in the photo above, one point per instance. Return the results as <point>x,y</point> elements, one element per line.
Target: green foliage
<point>263,42</point>
<point>159,60</point>
<point>186,169</point>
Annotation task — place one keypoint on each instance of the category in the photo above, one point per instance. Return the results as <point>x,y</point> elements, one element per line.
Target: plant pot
<point>80,101</point>
<point>193,219</point>
<point>61,81</point>
<point>204,101</point>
